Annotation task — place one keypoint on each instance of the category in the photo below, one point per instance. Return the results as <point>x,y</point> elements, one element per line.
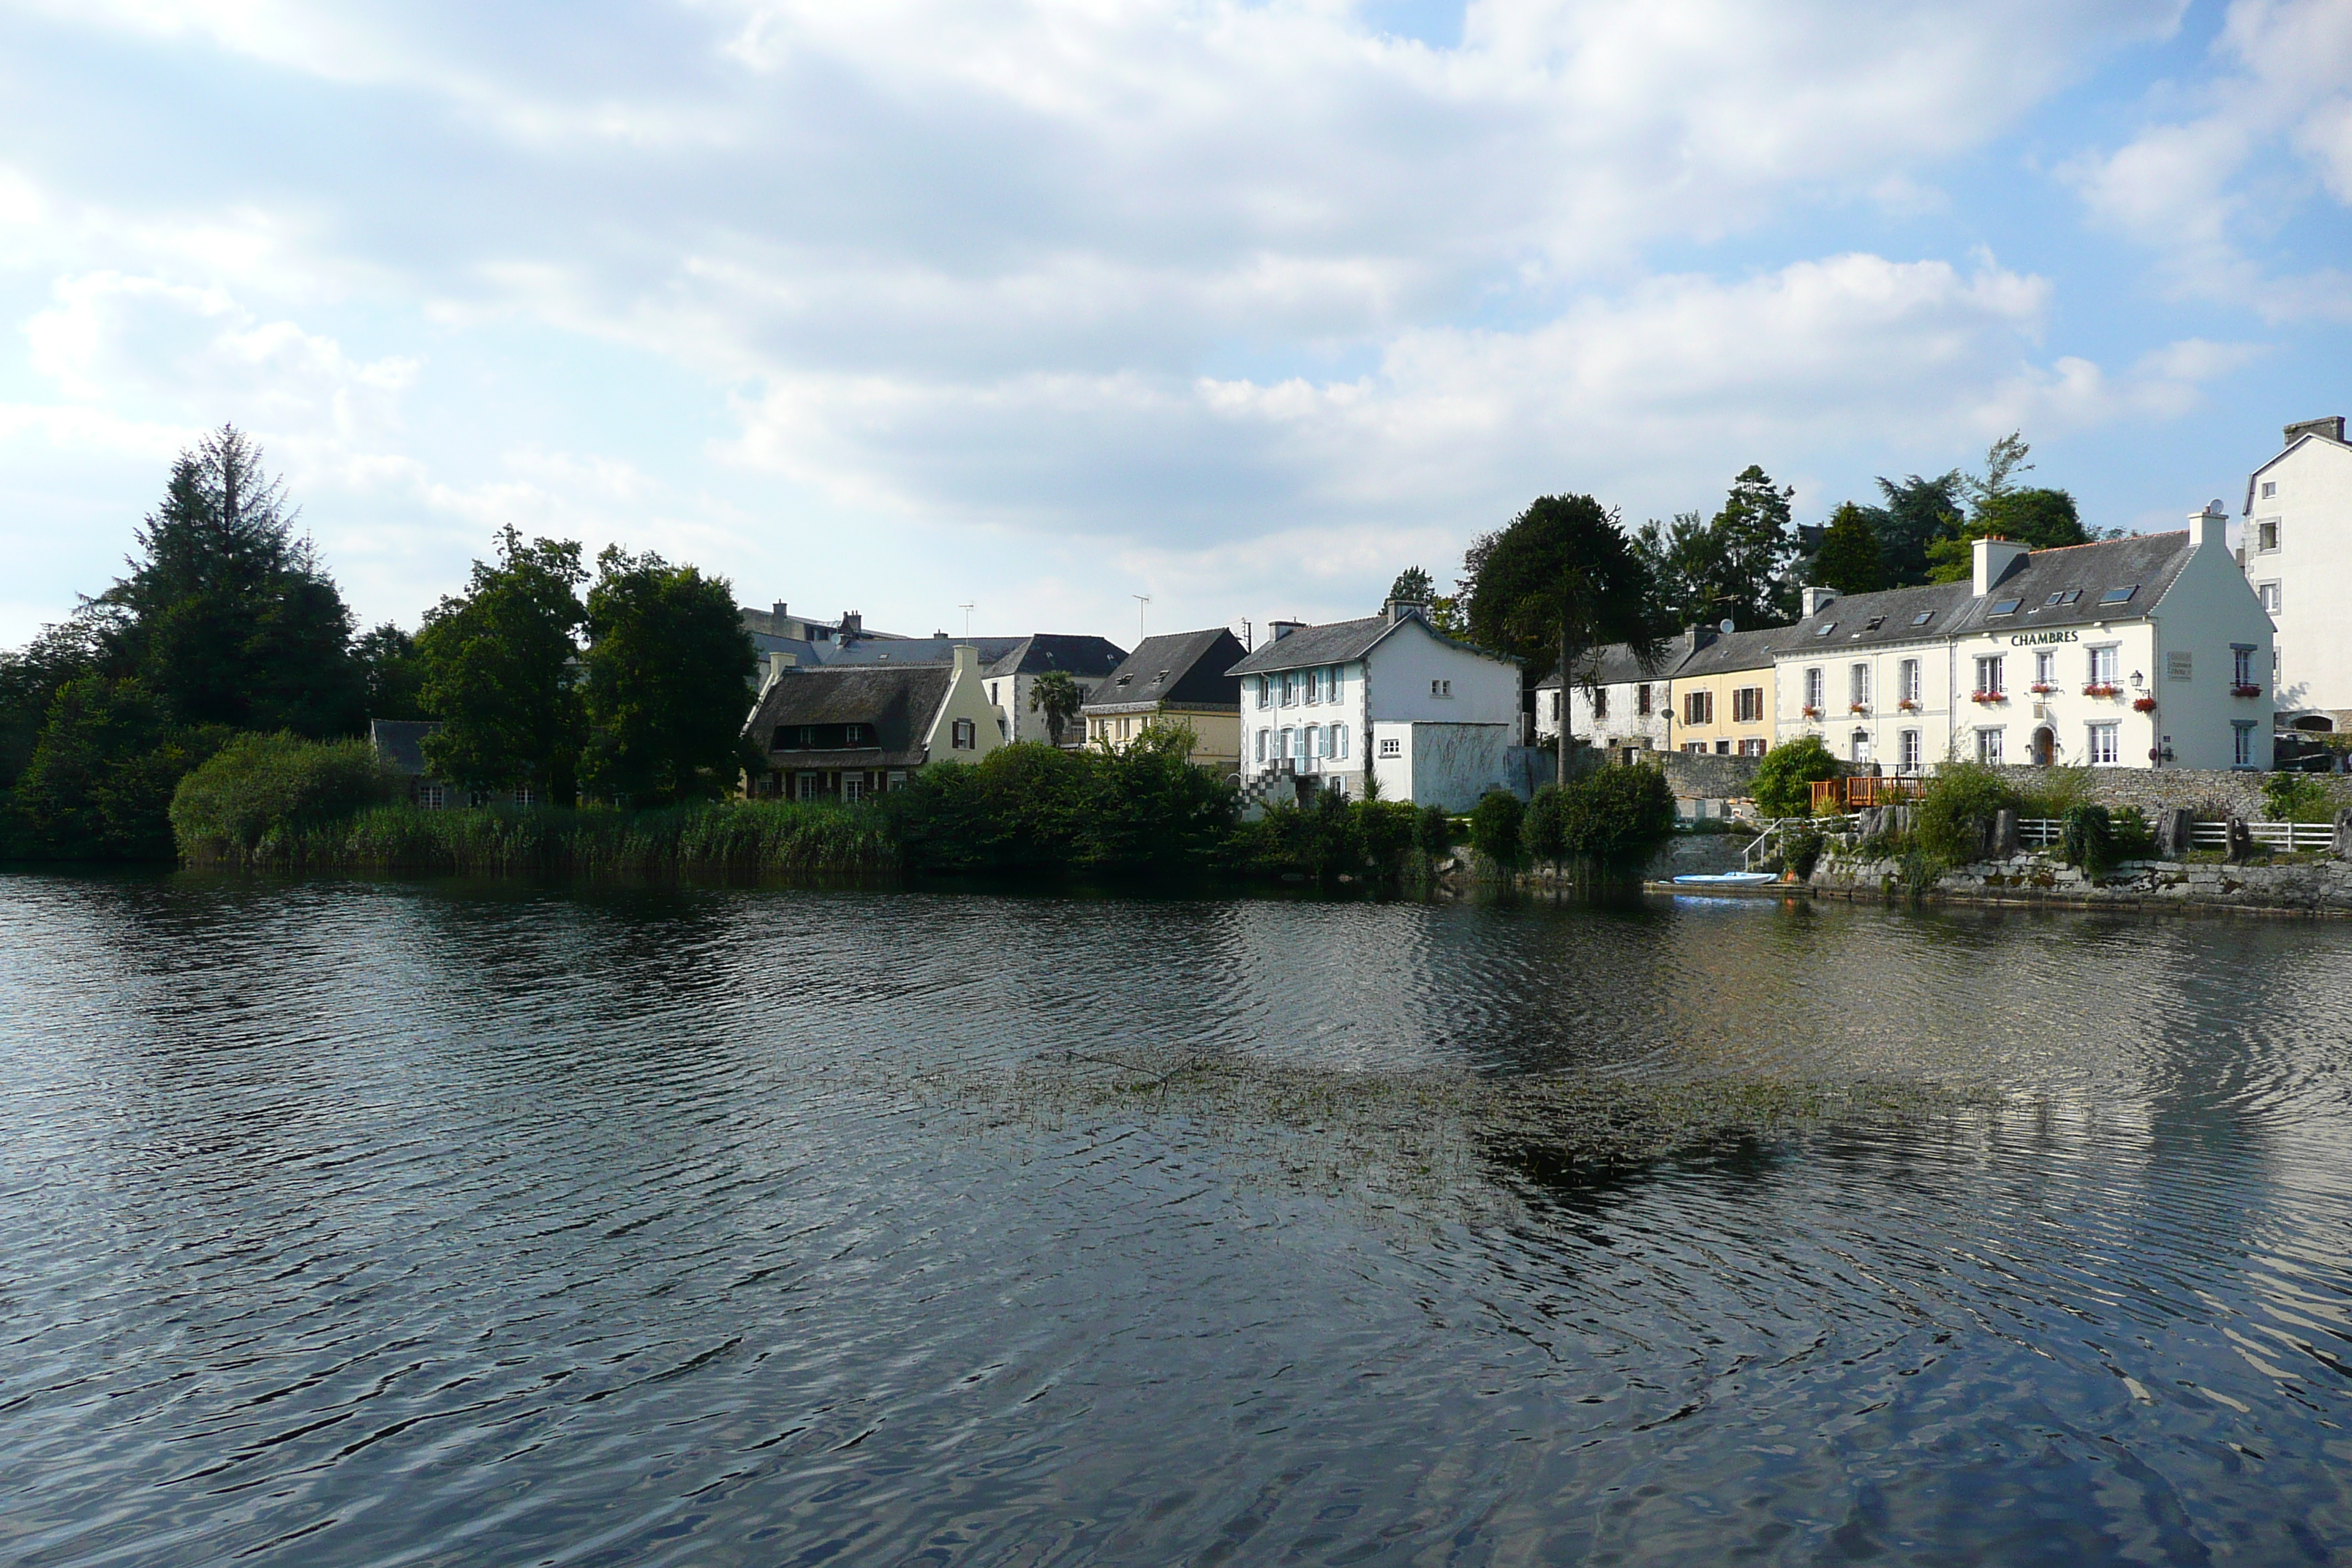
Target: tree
<point>1413,586</point>
<point>1919,514</point>
<point>229,619</point>
<point>1560,580</point>
<point>497,666</point>
<point>1056,694</point>
<point>667,668</point>
<point>1686,564</point>
<point>1784,779</point>
<point>394,680</point>
<point>2037,518</point>
<point>100,779</point>
<point>1756,545</point>
<point>29,682</point>
<point>1850,559</point>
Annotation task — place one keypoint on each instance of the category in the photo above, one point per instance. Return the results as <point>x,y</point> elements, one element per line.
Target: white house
<point>847,732</point>
<point>2297,550</point>
<point>2150,652</point>
<point>1618,701</point>
<point>1387,697</point>
<point>1010,667</point>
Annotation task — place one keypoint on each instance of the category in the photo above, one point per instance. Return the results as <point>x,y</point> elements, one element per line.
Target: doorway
<point>2044,747</point>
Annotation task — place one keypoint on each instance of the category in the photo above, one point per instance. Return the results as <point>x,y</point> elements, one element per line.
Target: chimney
<point>779,662</point>
<point>853,624</point>
<point>1398,609</point>
<point>2210,529</point>
<point>2332,427</point>
<point>1995,558</point>
<point>778,613</point>
<point>1818,599</point>
<point>967,663</point>
<point>1698,637</point>
<point>1282,629</point>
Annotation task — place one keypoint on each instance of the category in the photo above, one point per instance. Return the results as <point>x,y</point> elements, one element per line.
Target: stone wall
<point>2212,794</point>
<point>1693,777</point>
<point>2313,885</point>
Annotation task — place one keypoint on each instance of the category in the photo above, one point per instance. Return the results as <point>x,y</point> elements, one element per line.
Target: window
<point>1923,617</point>
<point>805,786</point>
<point>2103,666</point>
<point>1875,622</point>
<point>1339,680</point>
<point>1311,741</point>
<point>2266,535</point>
<point>1695,748</point>
<point>1338,740</point>
<point>993,696</point>
<point>2005,607</point>
<point>1989,747</point>
<point>2057,598</point>
<point>2070,596</point>
<point>2241,743</point>
<point>2269,595</point>
<point>525,796</point>
<point>2106,750</point>
<point>1313,681</point>
<point>1906,680</point>
<point>1826,628</point>
<point>1265,692</point>
<point>1440,689</point>
<point>1289,689</point>
<point>853,786</point>
<point>1601,703</point>
<point>1858,746</point>
<point>2180,666</point>
<point>1555,707</point>
<point>1857,686</point>
<point>2241,666</point>
<point>1753,747</point>
<point>1642,700</point>
<point>965,738</point>
<point>1747,705</point>
<point>1288,746</point>
<point>1813,689</point>
<point>1989,676</point>
<point>2119,596</point>
<point>2270,488</point>
<point>1698,707</point>
<point>1907,750</point>
<point>2045,668</point>
<point>433,797</point>
<point>1723,748</point>
<point>1261,745</point>
<point>1391,748</point>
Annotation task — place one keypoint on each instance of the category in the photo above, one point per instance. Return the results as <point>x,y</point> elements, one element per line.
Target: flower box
<point>2101,689</point>
<point>1812,713</point>
<point>1988,697</point>
<point>2042,689</point>
<point>2245,691</point>
<point>1908,706</point>
<point>1859,707</point>
<point>2143,704</point>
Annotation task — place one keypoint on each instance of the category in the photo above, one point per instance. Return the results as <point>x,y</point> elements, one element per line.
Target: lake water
<point>402,1223</point>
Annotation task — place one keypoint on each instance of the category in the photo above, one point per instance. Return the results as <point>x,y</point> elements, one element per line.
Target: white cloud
<point>2198,189</point>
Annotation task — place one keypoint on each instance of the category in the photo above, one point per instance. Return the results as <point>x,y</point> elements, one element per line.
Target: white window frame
<point>1391,747</point>
<point>1991,751</point>
<point>1906,678</point>
<point>1909,751</point>
<point>1857,683</point>
<point>2046,666</point>
<point>1287,747</point>
<point>2106,659</point>
<point>2266,536</point>
<point>2270,596</point>
<point>1265,691</point>
<point>2270,488</point>
<point>2241,742</point>
<point>1813,688</point>
<point>804,786</point>
<point>1858,744</point>
<point>2105,747</point>
<point>1261,745</point>
<point>964,735</point>
<point>1340,741</point>
<point>1994,666</point>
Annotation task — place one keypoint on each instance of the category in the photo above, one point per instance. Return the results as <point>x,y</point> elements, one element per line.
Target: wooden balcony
<point>1837,796</point>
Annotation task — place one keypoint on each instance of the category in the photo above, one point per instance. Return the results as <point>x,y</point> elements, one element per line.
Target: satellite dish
<point>1725,628</point>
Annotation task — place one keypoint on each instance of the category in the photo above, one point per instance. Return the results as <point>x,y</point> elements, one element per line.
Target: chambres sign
<point>2024,639</point>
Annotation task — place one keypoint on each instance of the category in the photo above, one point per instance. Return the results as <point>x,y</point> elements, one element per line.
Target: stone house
<point>847,732</point>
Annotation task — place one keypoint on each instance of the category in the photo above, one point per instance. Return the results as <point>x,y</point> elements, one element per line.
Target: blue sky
<point>906,305</point>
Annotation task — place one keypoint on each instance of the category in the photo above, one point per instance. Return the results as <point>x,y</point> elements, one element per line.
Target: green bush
<point>1331,836</point>
<point>2055,792</point>
<point>1784,779</point>
<point>2134,839</point>
<point>2087,837</point>
<point>1432,832</point>
<point>258,784</point>
<point>1543,826</point>
<point>1494,826</point>
<point>1801,850</point>
<point>100,779</point>
<point>2299,797</point>
<point>1957,808</point>
<point>1606,824</point>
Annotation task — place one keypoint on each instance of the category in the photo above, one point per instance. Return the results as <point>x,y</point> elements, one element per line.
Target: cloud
<point>2270,136</point>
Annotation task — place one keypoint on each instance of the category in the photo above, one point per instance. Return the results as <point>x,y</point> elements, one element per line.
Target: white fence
<point>2045,832</point>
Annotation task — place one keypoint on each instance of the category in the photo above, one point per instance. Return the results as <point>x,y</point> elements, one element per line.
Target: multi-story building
<point>1619,702</point>
<point>1182,678</point>
<point>1388,697</point>
<point>848,731</point>
<point>2150,652</point>
<point>1723,696</point>
<point>2297,551</point>
<point>1009,666</point>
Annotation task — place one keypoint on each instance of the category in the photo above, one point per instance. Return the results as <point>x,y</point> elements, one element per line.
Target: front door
<point>2045,748</point>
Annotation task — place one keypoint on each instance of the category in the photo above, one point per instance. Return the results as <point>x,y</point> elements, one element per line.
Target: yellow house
<point>1171,681</point>
<point>1724,696</point>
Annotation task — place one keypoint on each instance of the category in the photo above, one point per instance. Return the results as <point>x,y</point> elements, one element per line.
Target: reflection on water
<point>371,1223</point>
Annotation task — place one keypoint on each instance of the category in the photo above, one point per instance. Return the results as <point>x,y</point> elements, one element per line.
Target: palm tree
<point>1059,697</point>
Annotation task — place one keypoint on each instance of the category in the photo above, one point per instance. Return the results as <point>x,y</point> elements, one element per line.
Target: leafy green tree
<point>667,665</point>
<point>1850,559</point>
<point>389,669</point>
<point>1056,694</point>
<point>229,619</point>
<point>1685,559</point>
<point>1561,580</point>
<point>1494,826</point>
<point>1784,779</point>
<point>1608,823</point>
<point>1757,544</point>
<point>499,672</point>
<point>1919,514</point>
<point>1413,586</point>
<point>2037,518</point>
<point>100,779</point>
<point>30,680</point>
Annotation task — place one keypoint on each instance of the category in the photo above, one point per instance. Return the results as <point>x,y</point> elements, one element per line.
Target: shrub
<point>2057,792</point>
<point>1330,838</point>
<point>1543,826</point>
<point>1432,832</point>
<point>1784,778</point>
<point>1607,824</point>
<point>2134,839</point>
<point>260,785</point>
<point>1495,827</point>
<point>102,777</point>
<point>2087,837</point>
<point>1957,808</point>
<point>1801,850</point>
<point>2299,797</point>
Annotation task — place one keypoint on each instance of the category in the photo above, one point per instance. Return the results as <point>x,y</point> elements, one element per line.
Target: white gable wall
<point>2309,571</point>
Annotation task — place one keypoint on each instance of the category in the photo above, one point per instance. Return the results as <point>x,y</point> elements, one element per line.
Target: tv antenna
<point>967,620</point>
<point>1141,602</point>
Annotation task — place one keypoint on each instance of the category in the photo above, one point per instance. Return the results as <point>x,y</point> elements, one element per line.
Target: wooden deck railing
<point>1863,790</point>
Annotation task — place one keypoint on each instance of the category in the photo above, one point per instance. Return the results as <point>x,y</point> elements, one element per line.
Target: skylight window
<point>2006,606</point>
<point>2071,594</point>
<point>1875,622</point>
<point>2119,596</point>
<point>2057,598</point>
<point>1826,628</point>
<point>1923,617</point>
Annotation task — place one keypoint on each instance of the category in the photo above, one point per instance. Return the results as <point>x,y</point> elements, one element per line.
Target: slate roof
<point>1189,669</point>
<point>900,701</point>
<point>1087,657</point>
<point>1615,665</point>
<point>400,742</point>
<point>1896,612</point>
<point>1731,651</point>
<point>1336,642</point>
<point>2146,563</point>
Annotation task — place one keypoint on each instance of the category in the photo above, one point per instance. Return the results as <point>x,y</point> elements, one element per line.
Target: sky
<point>905,307</point>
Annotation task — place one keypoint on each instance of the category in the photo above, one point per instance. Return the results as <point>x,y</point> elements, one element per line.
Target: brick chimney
<point>2332,427</point>
<point>1996,558</point>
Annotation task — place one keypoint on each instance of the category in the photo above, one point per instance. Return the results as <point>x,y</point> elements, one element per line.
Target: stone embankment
<point>2299,884</point>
